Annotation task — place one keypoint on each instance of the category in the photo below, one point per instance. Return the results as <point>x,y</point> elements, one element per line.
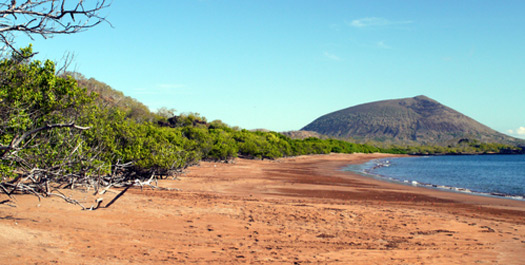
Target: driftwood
<point>47,183</point>
<point>40,192</point>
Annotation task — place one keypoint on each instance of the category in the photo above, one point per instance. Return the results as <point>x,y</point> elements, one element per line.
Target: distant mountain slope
<point>409,120</point>
<point>302,134</point>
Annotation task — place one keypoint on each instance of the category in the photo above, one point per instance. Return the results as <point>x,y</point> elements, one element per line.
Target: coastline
<point>379,163</point>
<point>297,210</point>
<point>337,162</point>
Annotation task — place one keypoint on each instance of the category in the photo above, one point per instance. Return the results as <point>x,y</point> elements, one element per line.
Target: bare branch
<point>49,17</point>
<point>67,60</point>
<point>17,140</point>
<point>6,192</point>
<point>67,199</point>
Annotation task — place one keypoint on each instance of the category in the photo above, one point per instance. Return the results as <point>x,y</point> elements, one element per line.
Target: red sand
<point>299,210</point>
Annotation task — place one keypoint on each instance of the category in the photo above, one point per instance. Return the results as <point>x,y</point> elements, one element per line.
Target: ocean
<point>490,175</point>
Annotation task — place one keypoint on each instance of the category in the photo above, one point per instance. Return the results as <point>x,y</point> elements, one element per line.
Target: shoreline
<point>407,182</point>
<point>455,196</point>
<point>299,210</point>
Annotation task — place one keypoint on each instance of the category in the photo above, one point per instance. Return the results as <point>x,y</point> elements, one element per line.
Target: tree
<point>48,17</point>
<point>165,113</point>
<point>40,140</point>
<point>53,134</point>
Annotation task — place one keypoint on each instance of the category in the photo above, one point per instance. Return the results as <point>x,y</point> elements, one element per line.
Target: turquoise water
<point>495,175</point>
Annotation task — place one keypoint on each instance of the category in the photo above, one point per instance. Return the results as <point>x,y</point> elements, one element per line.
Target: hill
<point>417,120</point>
<point>303,134</point>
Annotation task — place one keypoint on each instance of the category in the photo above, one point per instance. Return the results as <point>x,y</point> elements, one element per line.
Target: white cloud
<point>383,45</point>
<point>520,132</point>
<point>375,22</point>
<point>332,56</point>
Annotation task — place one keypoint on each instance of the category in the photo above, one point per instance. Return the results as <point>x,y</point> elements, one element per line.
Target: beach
<point>299,210</point>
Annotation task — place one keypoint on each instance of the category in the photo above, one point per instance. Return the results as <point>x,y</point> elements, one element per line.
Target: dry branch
<point>14,145</point>
<point>39,185</point>
<point>48,17</point>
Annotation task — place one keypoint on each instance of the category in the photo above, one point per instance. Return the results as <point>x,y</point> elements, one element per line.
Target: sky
<point>280,64</point>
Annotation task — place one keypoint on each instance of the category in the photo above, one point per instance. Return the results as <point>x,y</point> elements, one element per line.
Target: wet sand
<point>300,210</point>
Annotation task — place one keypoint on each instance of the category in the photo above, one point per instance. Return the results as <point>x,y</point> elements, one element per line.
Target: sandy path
<point>291,211</point>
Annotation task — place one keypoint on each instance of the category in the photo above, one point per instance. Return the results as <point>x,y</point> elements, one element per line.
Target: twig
<point>67,199</point>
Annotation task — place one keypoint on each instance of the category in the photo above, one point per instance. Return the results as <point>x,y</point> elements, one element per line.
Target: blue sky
<point>280,64</point>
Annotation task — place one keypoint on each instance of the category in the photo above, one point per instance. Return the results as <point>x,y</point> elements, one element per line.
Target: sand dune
<point>299,210</point>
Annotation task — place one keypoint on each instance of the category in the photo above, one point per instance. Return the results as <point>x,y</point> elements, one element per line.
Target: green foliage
<point>107,97</point>
<point>151,149</point>
<point>218,124</point>
<point>261,145</point>
<point>224,146</point>
<point>31,98</point>
<point>164,113</point>
<point>188,120</point>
